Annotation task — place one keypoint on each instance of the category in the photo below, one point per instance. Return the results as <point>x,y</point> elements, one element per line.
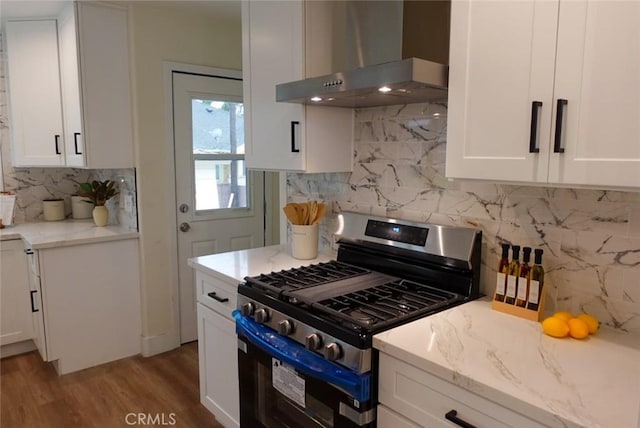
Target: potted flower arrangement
<point>98,193</point>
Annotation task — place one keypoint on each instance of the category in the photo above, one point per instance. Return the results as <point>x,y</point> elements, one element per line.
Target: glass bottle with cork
<point>503,270</point>
<point>536,283</point>
<point>512,277</point>
<point>524,278</point>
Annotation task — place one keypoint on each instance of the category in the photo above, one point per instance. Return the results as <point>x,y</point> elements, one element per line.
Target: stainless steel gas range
<point>305,351</point>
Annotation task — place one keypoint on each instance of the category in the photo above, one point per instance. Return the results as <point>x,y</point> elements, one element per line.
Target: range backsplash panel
<point>590,238</point>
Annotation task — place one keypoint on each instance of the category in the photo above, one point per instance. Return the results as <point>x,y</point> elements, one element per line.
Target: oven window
<point>275,410</point>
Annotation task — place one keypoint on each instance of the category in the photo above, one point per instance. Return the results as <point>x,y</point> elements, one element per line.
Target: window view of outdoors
<point>218,154</point>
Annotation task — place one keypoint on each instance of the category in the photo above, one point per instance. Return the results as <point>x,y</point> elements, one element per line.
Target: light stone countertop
<point>558,382</point>
<point>51,234</point>
<point>235,265</point>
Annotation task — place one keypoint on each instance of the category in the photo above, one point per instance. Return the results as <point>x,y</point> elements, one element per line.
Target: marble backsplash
<point>32,185</point>
<point>590,238</point>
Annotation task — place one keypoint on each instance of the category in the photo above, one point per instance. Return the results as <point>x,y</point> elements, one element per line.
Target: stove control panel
<point>332,349</point>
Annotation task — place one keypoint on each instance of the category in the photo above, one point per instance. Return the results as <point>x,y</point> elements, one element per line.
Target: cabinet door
<point>218,358</point>
<point>15,310</point>
<point>34,93</point>
<point>273,52</point>
<point>501,61</point>
<point>105,85</point>
<point>37,315</point>
<point>597,69</point>
<point>70,81</point>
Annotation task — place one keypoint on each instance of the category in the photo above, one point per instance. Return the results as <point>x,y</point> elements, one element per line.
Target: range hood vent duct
<point>395,52</point>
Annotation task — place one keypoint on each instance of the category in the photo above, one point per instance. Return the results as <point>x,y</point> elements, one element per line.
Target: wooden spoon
<point>313,211</point>
<point>322,209</point>
<point>291,213</point>
<point>304,218</point>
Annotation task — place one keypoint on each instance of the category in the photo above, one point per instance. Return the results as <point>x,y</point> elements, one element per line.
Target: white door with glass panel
<point>220,205</point>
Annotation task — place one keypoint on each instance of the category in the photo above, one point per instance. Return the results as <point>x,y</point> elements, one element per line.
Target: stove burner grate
<point>305,276</point>
<point>386,304</point>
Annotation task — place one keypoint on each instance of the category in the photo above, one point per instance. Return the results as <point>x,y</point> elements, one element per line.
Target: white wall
<point>158,34</point>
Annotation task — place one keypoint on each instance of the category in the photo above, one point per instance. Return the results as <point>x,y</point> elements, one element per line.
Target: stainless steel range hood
<point>395,52</point>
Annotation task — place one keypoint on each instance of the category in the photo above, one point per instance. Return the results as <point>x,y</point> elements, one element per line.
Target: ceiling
<point>227,9</point>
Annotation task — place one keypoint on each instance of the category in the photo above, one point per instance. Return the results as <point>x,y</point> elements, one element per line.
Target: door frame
<point>169,67</point>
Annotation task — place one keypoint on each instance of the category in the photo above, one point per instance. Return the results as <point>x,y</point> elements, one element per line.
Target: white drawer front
<point>387,418</point>
<point>426,399</point>
<point>217,295</point>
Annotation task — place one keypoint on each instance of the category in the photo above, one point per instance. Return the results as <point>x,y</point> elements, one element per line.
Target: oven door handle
<point>302,359</point>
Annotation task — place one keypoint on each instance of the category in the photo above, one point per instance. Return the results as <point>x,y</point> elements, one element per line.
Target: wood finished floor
<point>32,395</point>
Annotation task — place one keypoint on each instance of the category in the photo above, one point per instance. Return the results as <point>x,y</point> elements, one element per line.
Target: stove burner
<point>362,317</point>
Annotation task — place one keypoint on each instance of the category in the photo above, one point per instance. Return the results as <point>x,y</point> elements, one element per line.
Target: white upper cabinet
<point>88,44</point>
<point>35,113</point>
<point>545,92</point>
<point>284,136</point>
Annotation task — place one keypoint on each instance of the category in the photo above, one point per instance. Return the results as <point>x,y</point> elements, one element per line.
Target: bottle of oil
<point>512,277</point>
<point>537,281</point>
<point>503,269</point>
<point>524,278</point>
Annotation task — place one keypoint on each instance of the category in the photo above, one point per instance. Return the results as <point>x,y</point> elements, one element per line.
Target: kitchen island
<point>509,361</point>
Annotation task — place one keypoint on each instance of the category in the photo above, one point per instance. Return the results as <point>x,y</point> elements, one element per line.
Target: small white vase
<point>100,215</point>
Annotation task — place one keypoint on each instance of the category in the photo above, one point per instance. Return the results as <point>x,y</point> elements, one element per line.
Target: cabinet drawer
<point>216,294</point>
<point>426,399</point>
<point>387,418</point>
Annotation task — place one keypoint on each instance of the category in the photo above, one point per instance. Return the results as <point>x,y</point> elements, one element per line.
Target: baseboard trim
<point>153,345</point>
<point>17,348</point>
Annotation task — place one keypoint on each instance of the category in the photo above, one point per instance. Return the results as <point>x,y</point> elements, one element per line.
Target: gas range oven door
<point>282,384</point>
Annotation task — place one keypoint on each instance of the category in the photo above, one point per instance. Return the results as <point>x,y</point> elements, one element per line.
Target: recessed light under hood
<point>395,52</point>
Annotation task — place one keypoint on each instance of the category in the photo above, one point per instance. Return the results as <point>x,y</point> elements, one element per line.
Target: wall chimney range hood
<point>396,52</point>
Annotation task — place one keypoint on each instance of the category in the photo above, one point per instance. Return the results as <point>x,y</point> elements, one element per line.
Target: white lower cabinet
<point>411,397</point>
<point>87,303</point>
<point>15,310</point>
<point>218,349</point>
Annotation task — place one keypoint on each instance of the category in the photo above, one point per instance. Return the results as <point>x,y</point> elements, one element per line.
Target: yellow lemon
<point>555,327</point>
<point>563,315</point>
<point>591,321</point>
<point>578,329</point>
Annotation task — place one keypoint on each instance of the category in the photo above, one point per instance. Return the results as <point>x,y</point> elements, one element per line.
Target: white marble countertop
<point>235,265</point>
<point>51,234</point>
<point>558,382</point>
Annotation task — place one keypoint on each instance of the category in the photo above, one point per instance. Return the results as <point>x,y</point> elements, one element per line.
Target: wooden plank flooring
<point>32,395</point>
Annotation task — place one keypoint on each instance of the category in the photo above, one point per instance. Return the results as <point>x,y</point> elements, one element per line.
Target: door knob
<point>184,227</point>
<point>183,208</point>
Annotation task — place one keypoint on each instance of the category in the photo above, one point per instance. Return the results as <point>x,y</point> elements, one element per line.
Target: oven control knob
<point>261,315</point>
<point>248,309</point>
<point>313,342</point>
<point>285,327</point>
<point>332,351</point>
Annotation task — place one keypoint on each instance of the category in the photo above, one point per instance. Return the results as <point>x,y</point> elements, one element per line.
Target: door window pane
<point>218,155</point>
<point>218,127</point>
<point>220,184</point>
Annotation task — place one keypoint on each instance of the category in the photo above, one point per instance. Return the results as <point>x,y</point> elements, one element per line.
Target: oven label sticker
<point>287,382</point>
